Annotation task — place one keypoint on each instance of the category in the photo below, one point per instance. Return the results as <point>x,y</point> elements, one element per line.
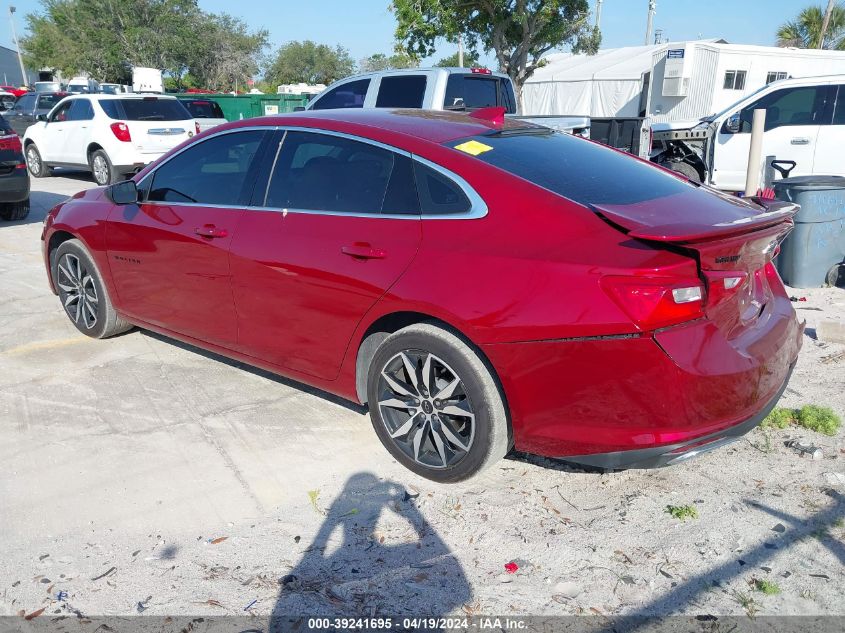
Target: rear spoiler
<point>775,212</point>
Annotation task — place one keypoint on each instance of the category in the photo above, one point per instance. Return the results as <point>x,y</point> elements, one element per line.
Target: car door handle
<point>210,231</point>
<point>800,140</point>
<point>363,251</point>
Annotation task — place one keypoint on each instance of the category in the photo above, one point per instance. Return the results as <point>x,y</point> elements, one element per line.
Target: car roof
<point>436,126</point>
<point>416,71</point>
<point>101,96</point>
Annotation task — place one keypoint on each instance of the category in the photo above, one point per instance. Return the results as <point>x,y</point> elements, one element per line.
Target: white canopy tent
<point>607,84</point>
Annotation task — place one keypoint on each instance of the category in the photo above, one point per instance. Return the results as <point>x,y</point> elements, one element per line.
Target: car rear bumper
<point>14,185</point>
<point>592,399</point>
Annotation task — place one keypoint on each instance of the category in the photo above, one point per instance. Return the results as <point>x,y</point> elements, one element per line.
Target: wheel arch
<point>92,147</point>
<point>56,239</point>
<point>387,324</point>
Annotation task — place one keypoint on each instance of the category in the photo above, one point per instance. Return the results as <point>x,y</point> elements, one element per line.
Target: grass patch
<point>815,418</point>
<point>767,587</point>
<point>682,512</point>
<point>746,601</point>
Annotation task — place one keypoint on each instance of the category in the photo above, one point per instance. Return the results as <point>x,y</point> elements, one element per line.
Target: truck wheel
<point>435,405</point>
<point>14,210</point>
<point>687,170</point>
<point>102,169</point>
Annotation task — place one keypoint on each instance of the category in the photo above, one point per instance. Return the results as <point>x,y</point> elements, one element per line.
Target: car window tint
<point>61,112</point>
<point>145,109</point>
<point>788,107</point>
<point>213,171</point>
<point>320,172</point>
<point>839,113</point>
<point>80,110</point>
<point>348,95</point>
<point>25,103</point>
<point>204,109</point>
<point>468,91</point>
<point>438,194</point>
<point>45,102</point>
<point>404,91</point>
<point>577,169</point>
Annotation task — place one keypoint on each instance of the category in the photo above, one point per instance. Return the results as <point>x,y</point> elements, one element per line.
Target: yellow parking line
<point>42,345</point>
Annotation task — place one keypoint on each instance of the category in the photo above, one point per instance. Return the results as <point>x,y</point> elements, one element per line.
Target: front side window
<point>214,171</point>
<point>734,80</point>
<point>80,110</point>
<point>348,95</point>
<point>403,91</point>
<point>789,107</point>
<point>321,172</point>
<point>60,114</point>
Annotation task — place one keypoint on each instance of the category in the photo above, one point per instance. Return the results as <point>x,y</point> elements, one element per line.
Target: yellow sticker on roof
<point>473,148</point>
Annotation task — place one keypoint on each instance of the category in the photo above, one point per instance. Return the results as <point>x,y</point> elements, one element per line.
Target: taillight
<point>197,126</point>
<point>656,302</point>
<point>11,142</point>
<point>723,284</point>
<point>121,131</point>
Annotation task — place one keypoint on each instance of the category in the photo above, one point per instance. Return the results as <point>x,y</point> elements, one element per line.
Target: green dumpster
<point>237,107</point>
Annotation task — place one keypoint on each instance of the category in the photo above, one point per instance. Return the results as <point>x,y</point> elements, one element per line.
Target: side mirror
<point>732,124</point>
<point>125,192</point>
<point>41,117</point>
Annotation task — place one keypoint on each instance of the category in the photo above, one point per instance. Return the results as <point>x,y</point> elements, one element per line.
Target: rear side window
<point>438,194</point>
<point>46,102</point>
<point>145,109</point>
<point>579,170</point>
<point>25,103</point>
<point>839,112</point>
<point>320,172</point>
<point>204,109</point>
<point>213,171</point>
<point>80,110</point>
<point>478,91</point>
<point>404,91</point>
<point>348,95</point>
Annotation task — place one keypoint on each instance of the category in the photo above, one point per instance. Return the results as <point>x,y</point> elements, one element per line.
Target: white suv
<point>112,135</point>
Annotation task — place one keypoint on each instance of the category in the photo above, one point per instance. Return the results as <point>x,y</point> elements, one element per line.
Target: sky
<point>365,27</point>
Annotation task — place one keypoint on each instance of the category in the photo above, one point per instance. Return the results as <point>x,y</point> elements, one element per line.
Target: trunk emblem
<point>727,259</point>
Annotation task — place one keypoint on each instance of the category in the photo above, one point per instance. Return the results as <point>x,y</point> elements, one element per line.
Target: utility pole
<point>652,7</point>
<point>598,13</point>
<point>17,46</point>
<point>826,22</point>
<point>461,50</point>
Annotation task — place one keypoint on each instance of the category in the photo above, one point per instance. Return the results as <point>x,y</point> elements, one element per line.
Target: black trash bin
<point>810,255</point>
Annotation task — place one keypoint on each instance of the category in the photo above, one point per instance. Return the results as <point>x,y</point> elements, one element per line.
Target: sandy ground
<point>141,476</point>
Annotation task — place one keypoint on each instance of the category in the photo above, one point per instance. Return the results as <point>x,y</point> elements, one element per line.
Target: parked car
<point>29,107</point>
<point>112,135</point>
<point>805,123</point>
<point>48,86</point>
<point>207,113</point>
<point>114,89</point>
<point>459,89</point>
<point>14,180</point>
<point>18,92</point>
<point>481,283</point>
<point>83,85</point>
<point>7,100</point>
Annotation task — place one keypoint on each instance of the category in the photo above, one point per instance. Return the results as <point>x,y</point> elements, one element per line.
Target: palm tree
<point>805,30</point>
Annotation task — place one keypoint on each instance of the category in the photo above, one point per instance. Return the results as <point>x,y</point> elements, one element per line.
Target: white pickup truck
<point>805,124</point>
<point>460,89</point>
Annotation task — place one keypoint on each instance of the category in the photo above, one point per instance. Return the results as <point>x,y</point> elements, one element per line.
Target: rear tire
<point>82,292</point>
<point>13,211</point>
<point>34,162</point>
<point>687,170</point>
<point>448,438</point>
<point>102,169</point>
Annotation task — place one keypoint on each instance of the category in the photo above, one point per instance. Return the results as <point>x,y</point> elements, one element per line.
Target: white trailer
<point>690,80</point>
<point>147,80</point>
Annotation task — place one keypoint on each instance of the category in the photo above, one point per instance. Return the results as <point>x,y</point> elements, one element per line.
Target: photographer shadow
<point>374,556</point>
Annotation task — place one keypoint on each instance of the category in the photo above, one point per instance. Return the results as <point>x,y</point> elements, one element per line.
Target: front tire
<point>82,292</point>
<point>34,162</point>
<point>435,405</point>
<point>102,169</point>
<point>12,211</point>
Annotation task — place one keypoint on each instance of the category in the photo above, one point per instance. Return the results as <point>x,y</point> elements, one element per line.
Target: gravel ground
<point>143,476</point>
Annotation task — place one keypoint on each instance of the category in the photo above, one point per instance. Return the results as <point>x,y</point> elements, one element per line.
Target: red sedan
<point>480,284</point>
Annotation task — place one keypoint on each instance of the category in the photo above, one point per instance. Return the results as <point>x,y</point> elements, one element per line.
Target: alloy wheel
<point>77,291</point>
<point>101,170</point>
<point>425,409</point>
<point>33,160</point>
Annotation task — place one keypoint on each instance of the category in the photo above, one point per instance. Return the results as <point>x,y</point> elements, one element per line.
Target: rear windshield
<point>204,109</point>
<point>471,91</point>
<point>574,168</point>
<point>46,102</point>
<point>145,109</point>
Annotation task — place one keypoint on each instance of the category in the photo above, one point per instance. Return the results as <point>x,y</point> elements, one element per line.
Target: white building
<point>668,82</point>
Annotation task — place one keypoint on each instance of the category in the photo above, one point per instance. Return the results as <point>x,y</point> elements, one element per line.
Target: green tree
<point>470,60</point>
<point>380,61</point>
<point>228,54</point>
<point>805,30</point>
<point>311,63</point>
<point>519,32</point>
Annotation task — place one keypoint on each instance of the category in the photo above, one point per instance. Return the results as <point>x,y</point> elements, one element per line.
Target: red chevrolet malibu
<point>480,284</point>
